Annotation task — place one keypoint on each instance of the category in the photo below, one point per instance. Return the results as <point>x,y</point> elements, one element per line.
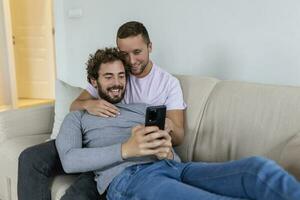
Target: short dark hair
<point>133,28</point>
<point>106,55</point>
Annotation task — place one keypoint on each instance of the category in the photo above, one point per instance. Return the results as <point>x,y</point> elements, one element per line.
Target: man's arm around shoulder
<point>99,107</point>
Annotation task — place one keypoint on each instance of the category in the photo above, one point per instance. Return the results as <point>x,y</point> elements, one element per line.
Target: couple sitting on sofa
<point>135,163</point>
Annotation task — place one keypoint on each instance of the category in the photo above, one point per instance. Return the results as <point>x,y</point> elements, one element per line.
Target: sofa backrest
<point>227,120</point>
<point>196,91</point>
<point>29,117</point>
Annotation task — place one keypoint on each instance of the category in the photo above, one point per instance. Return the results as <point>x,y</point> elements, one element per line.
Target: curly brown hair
<point>133,28</point>
<point>106,55</point>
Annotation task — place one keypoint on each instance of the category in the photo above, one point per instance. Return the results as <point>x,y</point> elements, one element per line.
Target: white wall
<point>4,86</point>
<point>251,40</point>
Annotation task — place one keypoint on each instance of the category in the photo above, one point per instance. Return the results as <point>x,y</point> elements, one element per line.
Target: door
<point>33,47</point>
<point>5,86</point>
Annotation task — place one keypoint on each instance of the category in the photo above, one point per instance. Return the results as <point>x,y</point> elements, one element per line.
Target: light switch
<point>75,13</point>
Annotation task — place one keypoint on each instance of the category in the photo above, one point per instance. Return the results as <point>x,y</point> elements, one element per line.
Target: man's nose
<point>132,59</point>
<point>116,81</point>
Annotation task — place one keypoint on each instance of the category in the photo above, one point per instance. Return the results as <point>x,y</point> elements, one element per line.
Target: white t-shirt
<point>157,88</point>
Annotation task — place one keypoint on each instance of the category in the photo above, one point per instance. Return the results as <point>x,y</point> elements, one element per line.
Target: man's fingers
<point>108,113</point>
<point>150,129</point>
<point>102,115</point>
<point>95,112</point>
<point>141,130</point>
<point>167,129</point>
<point>163,150</point>
<point>147,152</point>
<point>161,156</point>
<point>111,107</point>
<point>166,135</point>
<point>104,107</point>
<point>153,145</point>
<point>153,136</point>
<point>158,134</point>
<point>112,111</point>
<point>166,144</point>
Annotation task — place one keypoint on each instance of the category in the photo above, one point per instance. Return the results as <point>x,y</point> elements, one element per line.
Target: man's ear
<point>150,47</point>
<point>94,83</point>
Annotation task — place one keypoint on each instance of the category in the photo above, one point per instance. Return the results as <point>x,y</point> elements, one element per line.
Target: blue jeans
<point>249,178</point>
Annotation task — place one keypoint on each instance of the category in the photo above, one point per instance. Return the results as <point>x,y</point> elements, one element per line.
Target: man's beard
<point>104,94</point>
<point>142,69</point>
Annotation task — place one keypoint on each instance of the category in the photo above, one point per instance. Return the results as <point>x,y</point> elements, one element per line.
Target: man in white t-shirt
<point>147,83</point>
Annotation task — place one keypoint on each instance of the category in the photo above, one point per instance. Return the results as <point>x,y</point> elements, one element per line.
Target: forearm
<point>177,135</point>
<point>81,102</point>
<point>175,126</point>
<point>77,160</point>
<point>78,105</point>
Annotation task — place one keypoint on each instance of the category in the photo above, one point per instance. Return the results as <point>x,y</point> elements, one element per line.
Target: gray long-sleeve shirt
<point>91,143</point>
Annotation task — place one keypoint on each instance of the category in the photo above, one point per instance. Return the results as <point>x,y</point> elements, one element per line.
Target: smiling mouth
<point>115,92</point>
<point>135,69</point>
<point>136,66</point>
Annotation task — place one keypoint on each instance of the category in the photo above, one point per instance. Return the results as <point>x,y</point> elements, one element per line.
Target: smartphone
<point>155,116</point>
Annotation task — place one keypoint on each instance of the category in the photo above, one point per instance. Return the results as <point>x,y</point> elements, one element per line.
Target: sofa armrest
<point>29,121</point>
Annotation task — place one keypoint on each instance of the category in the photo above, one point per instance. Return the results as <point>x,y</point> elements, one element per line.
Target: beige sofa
<point>225,120</point>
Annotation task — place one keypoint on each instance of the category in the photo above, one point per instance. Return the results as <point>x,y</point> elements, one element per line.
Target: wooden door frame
<point>8,32</point>
<point>10,53</point>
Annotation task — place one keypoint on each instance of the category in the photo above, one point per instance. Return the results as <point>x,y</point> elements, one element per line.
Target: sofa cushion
<point>10,150</point>
<point>244,119</point>
<point>65,94</point>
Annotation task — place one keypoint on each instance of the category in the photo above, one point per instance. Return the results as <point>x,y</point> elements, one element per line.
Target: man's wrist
<point>85,104</point>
